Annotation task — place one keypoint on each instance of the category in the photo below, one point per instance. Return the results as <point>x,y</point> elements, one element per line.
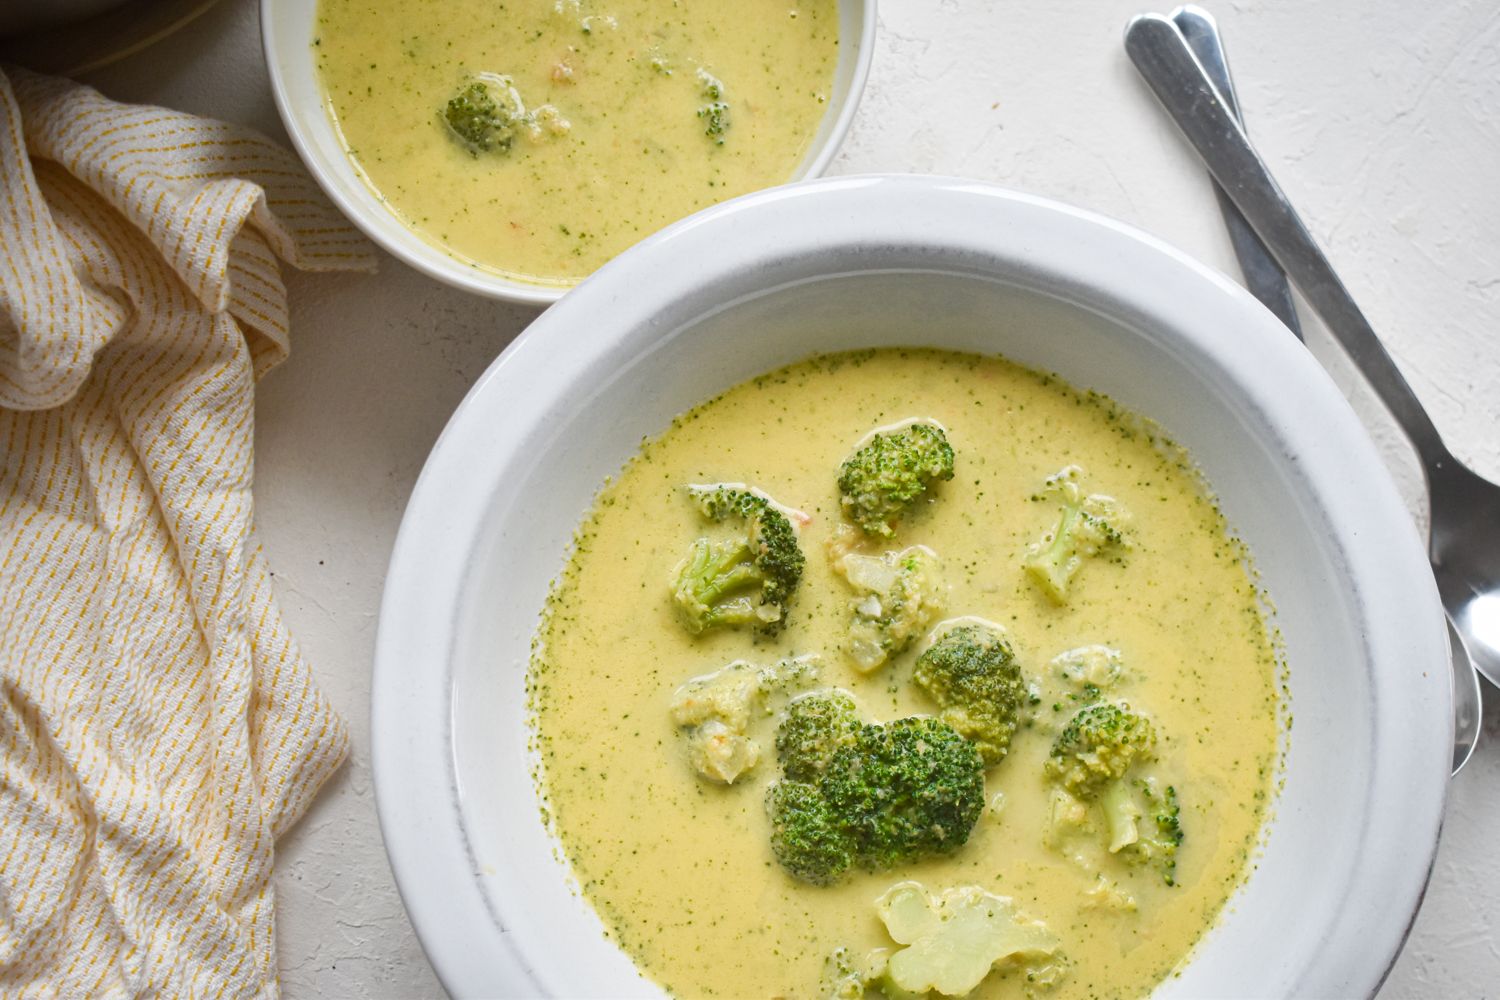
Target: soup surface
<point>680,869</point>
<point>636,113</point>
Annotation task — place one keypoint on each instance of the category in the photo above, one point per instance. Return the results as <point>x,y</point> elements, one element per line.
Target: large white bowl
<point>287,30</point>
<point>773,277</point>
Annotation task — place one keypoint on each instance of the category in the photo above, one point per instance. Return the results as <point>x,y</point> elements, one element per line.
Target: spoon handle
<point>1263,276</point>
<point>1162,55</point>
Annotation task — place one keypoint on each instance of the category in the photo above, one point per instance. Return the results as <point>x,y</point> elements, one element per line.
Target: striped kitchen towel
<point>158,727</point>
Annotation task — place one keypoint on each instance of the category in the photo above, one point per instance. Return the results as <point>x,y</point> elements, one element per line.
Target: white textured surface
<point>1380,117</point>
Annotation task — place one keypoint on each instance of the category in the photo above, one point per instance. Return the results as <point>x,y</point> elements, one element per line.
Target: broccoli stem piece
<point>953,939</point>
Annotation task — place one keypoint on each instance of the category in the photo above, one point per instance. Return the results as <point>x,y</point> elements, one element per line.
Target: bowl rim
<point>386,229</point>
<point>412,713</point>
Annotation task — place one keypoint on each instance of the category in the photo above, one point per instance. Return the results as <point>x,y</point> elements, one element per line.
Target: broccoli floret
<point>1157,845</point>
<point>480,122</point>
<point>487,115</point>
<point>885,477</point>
<point>715,712</point>
<point>1087,526</point>
<point>714,583</point>
<point>715,113</point>
<point>956,937</point>
<point>971,672</point>
<point>899,593</point>
<point>1098,746</point>
<point>1093,761</point>
<point>807,836</point>
<point>816,725</point>
<point>907,790</point>
<point>888,793</point>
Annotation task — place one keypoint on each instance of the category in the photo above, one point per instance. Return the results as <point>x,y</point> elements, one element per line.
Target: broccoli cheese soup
<point>539,138</point>
<point>904,673</point>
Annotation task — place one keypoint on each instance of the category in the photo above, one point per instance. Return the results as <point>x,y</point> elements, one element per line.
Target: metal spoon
<point>1198,94</point>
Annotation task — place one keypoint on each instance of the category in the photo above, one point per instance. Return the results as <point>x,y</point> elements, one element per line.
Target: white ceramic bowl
<point>773,277</point>
<point>287,30</point>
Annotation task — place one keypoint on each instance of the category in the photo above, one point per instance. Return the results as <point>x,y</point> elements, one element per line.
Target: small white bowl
<point>863,262</point>
<point>287,31</point>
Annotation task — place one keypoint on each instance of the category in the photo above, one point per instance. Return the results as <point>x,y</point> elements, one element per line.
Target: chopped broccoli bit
<point>899,593</point>
<point>1098,746</point>
<point>955,938</point>
<point>715,117</point>
<point>715,712</point>
<point>971,672</point>
<point>842,978</point>
<point>885,794</point>
<point>883,479</point>
<point>1087,526</point>
<point>1089,670</point>
<point>907,789</point>
<point>478,121</point>
<point>816,725</point>
<point>719,581</point>
<point>1067,820</point>
<point>1108,895</point>
<point>714,113</point>
<point>807,835</point>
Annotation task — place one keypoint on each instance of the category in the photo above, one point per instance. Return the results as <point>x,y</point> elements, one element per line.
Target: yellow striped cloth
<point>158,726</point>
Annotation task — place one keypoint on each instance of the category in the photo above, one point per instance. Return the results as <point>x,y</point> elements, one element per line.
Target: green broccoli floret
<point>816,725</point>
<point>907,790</point>
<point>715,113</point>
<point>1097,747</point>
<point>1087,526</point>
<point>1094,761</point>
<point>888,794</point>
<point>1157,845</point>
<point>953,939</point>
<point>807,836</point>
<point>899,593</point>
<point>972,673</point>
<point>478,121</point>
<point>885,477</point>
<point>714,583</point>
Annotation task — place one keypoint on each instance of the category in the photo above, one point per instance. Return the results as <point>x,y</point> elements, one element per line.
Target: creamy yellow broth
<point>680,870</point>
<point>625,77</point>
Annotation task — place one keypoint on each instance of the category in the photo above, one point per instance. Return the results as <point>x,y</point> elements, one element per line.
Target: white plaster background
<point>1380,117</point>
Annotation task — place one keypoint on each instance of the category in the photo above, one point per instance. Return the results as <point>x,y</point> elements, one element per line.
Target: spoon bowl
<point>1464,546</point>
<point>1468,705</point>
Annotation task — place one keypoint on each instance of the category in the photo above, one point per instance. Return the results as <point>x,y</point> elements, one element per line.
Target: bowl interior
<point>1355,819</point>
<point>287,29</point>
